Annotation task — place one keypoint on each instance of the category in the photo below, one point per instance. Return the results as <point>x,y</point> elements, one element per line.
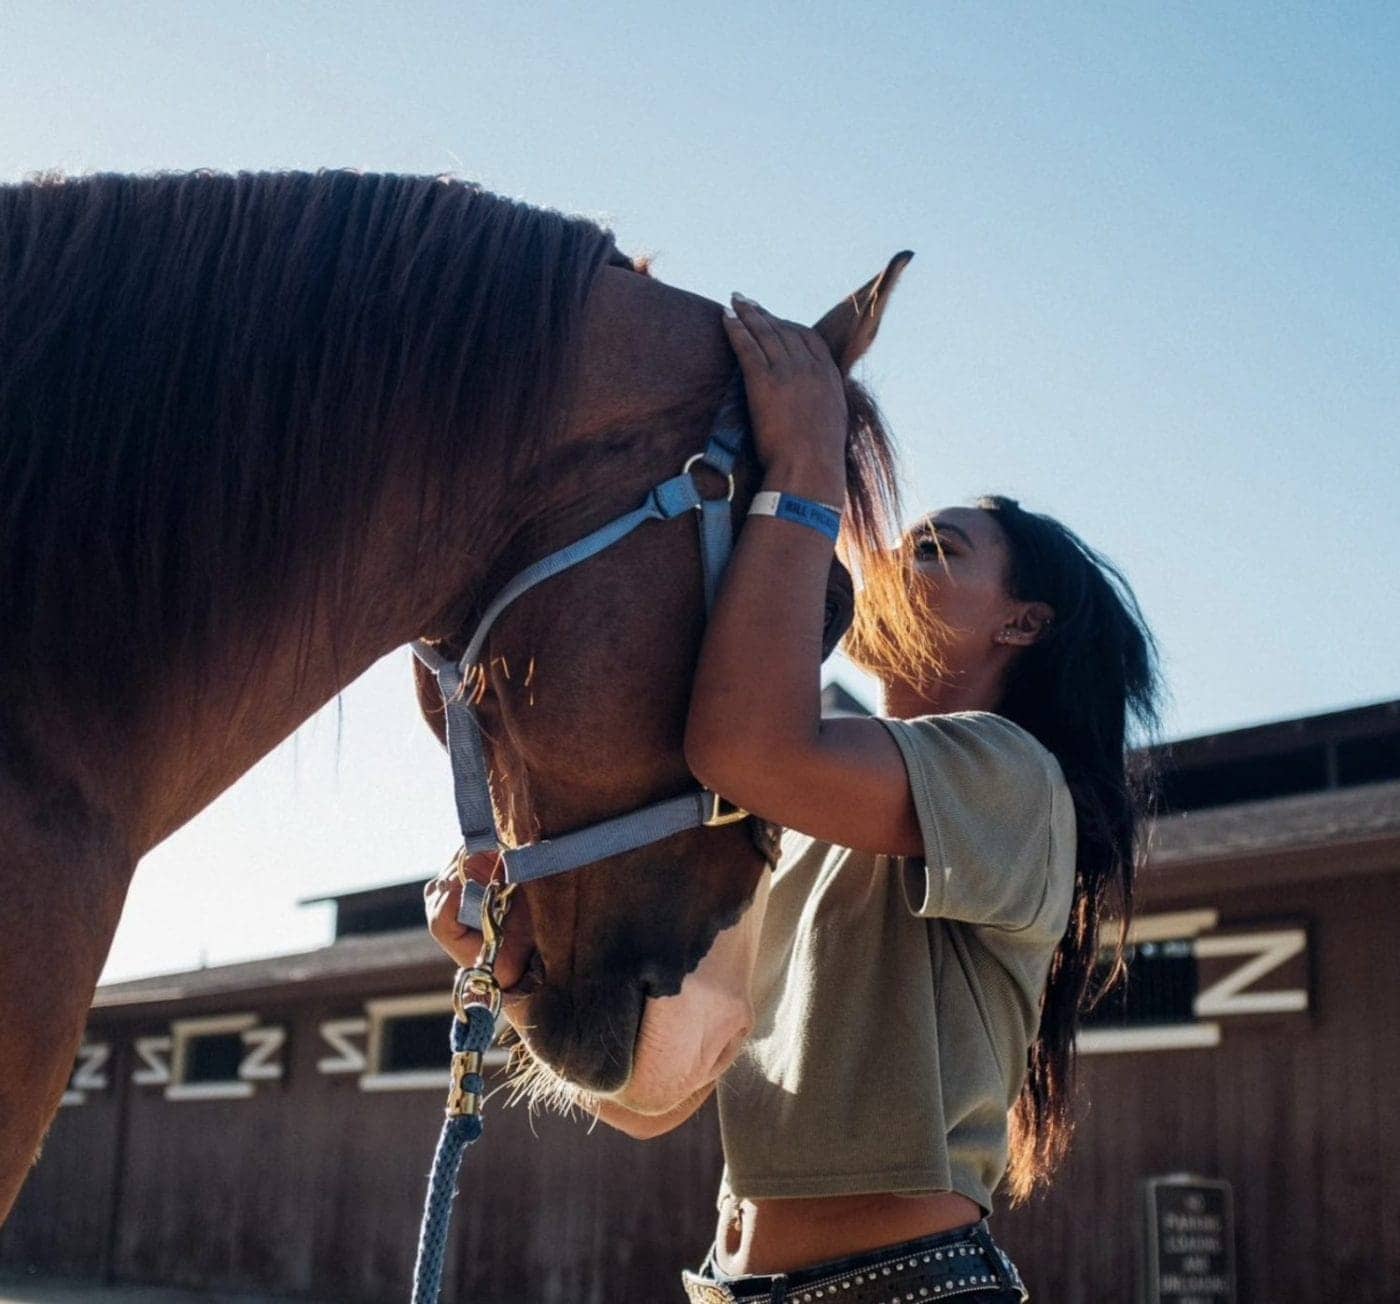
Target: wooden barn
<point>267,1126</point>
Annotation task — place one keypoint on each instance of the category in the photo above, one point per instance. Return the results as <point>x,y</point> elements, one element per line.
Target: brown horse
<point>257,431</point>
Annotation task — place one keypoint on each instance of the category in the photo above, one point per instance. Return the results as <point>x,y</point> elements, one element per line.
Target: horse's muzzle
<point>585,1035</point>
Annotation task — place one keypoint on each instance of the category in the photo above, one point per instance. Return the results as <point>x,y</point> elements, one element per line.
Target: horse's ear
<point>849,328</point>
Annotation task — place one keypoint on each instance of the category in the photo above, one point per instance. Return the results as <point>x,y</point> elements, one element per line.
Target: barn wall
<point>64,1217</point>
<point>1299,1116</point>
<point>313,1187</point>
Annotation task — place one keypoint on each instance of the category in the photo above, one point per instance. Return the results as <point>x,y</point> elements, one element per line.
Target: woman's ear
<point>849,328</point>
<point>1030,623</point>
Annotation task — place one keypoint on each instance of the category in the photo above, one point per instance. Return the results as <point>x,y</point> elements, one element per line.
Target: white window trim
<point>154,1054</point>
<point>348,1057</point>
<point>262,1045</point>
<point>1172,926</point>
<point>1156,1036</point>
<point>209,1091</point>
<point>378,1012</point>
<point>89,1073</point>
<point>1268,951</point>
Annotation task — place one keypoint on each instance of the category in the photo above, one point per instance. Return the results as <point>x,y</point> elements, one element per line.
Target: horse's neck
<point>233,724</point>
<point>259,692</point>
<point>208,724</point>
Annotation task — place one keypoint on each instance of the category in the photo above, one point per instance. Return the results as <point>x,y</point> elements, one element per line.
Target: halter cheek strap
<point>476,814</point>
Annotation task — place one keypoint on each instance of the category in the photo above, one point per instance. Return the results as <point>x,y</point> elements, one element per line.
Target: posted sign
<point>1189,1241</point>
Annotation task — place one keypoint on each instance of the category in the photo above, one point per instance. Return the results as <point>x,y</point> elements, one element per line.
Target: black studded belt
<point>965,1264</point>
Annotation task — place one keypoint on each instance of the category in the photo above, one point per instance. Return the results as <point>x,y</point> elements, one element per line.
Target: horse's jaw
<point>687,1041</point>
<point>679,1044</point>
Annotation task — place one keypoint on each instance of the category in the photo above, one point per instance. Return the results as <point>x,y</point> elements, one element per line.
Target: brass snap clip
<point>722,812</point>
<point>477,984</point>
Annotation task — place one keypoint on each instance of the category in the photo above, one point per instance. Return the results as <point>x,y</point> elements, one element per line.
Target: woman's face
<point>962,562</point>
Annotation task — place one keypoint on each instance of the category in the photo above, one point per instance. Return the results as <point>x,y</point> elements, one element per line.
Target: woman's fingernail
<point>742,298</point>
<point>729,312</point>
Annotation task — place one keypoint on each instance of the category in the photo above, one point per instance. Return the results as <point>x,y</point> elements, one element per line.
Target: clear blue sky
<point>1157,293</point>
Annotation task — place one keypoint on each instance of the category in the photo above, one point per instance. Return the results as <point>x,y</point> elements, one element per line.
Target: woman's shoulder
<point>980,737</point>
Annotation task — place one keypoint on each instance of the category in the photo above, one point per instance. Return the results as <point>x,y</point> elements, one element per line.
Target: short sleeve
<point>983,790</point>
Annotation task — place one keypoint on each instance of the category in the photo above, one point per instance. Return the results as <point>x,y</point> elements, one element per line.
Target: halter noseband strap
<point>475,812</point>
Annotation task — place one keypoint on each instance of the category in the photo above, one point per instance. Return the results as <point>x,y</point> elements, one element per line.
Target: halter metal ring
<point>700,457</point>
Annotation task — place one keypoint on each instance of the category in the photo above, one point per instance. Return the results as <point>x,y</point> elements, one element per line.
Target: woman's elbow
<point>757,774</point>
<point>726,767</point>
<point>713,762</point>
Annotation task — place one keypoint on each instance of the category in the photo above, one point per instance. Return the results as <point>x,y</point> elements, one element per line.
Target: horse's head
<point>586,680</point>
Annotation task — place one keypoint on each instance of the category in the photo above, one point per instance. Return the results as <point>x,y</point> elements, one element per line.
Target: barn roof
<point>350,965</point>
<point>1332,817</point>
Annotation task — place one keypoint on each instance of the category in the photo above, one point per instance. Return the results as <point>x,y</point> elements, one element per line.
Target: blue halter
<point>476,813</point>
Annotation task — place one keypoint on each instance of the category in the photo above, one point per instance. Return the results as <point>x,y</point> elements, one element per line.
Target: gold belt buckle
<point>719,816</point>
<point>700,1291</point>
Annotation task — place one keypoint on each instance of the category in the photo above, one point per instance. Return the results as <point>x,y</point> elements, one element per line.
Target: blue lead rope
<point>471,1039</point>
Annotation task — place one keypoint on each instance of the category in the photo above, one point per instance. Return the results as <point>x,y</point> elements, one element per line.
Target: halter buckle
<point>700,457</point>
<point>718,816</point>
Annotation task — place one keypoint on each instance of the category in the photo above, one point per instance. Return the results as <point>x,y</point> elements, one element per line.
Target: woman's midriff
<point>768,1236</point>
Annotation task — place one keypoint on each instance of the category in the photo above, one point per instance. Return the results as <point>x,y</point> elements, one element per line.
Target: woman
<point>932,930</point>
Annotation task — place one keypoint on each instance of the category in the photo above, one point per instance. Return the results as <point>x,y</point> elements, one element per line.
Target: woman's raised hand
<point>797,401</point>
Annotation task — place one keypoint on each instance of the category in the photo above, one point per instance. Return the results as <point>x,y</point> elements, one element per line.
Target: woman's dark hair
<point>1087,689</point>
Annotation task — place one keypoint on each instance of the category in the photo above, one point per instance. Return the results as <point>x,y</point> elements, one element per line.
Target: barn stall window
<point>406,1043</point>
<point>222,1058</point>
<point>1184,976</point>
<point>1156,1009</point>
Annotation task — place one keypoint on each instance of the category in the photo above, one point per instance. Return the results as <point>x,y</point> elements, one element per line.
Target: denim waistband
<point>931,1268</point>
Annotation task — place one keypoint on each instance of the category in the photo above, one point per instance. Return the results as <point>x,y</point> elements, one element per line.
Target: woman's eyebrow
<point>941,527</point>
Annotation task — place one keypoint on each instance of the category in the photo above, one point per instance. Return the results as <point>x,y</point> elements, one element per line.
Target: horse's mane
<point>203,376</point>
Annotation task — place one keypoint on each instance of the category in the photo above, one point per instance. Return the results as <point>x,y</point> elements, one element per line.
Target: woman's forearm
<point>757,693</point>
<point>643,1127</point>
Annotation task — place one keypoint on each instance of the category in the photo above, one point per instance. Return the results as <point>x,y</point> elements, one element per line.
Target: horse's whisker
<point>535,1083</point>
